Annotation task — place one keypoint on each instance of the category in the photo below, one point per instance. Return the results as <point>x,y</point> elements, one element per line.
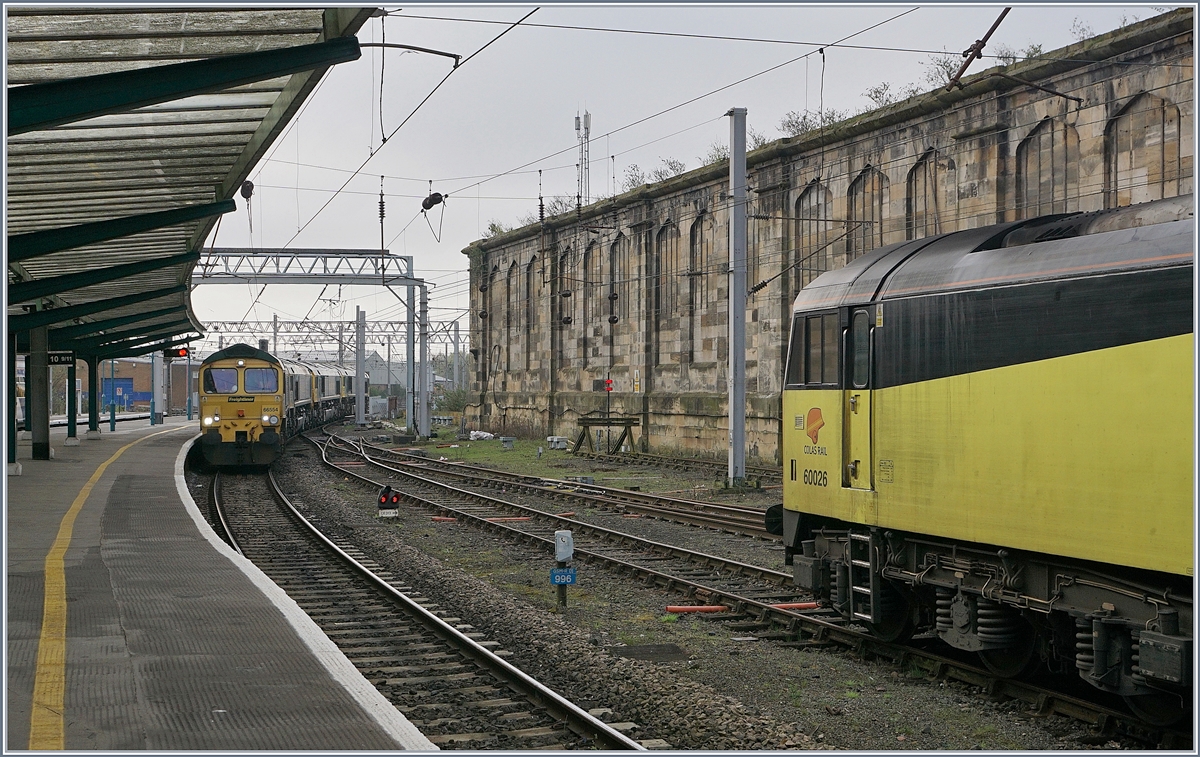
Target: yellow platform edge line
<point>49,683</point>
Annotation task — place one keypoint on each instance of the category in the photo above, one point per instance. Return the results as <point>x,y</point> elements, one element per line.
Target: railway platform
<point>131,626</point>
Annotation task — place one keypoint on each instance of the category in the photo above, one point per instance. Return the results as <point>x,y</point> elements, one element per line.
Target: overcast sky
<point>515,104</point>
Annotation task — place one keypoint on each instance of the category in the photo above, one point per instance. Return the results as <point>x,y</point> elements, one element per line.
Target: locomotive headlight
<point>208,421</point>
<point>266,419</point>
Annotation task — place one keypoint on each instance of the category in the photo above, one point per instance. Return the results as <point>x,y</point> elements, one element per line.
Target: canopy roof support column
<point>93,364</point>
<point>37,393</point>
<point>14,468</point>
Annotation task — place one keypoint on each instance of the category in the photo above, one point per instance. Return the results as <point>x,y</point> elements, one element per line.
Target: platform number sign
<point>60,358</point>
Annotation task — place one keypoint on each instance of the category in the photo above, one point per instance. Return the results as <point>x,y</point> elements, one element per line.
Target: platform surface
<point>170,643</point>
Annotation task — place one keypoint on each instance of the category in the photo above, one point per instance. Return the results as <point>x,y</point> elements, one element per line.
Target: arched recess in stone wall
<point>511,294</point>
<point>1142,153</point>
<point>924,210</point>
<point>1048,170</point>
<point>531,302</point>
<point>489,325</point>
<point>697,281</point>
<point>589,311</point>
<point>618,277</point>
<point>814,254</point>
<point>563,308</point>
<point>866,212</point>
<point>664,293</point>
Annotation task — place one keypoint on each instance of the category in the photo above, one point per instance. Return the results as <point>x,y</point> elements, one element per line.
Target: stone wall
<point>634,288</point>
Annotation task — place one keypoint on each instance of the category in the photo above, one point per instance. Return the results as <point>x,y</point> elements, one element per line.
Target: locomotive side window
<point>820,367</point>
<point>860,345</point>
<point>220,381</point>
<point>830,329</point>
<point>795,366</point>
<point>261,381</point>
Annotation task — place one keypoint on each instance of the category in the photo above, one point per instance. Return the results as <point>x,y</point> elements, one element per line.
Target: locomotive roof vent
<point>1063,226</point>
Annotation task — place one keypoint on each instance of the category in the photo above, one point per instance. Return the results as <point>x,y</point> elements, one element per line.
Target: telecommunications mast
<point>583,132</point>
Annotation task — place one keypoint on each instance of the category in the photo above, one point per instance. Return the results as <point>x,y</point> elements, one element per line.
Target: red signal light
<point>395,498</point>
<point>608,387</point>
<point>175,352</point>
<point>383,500</point>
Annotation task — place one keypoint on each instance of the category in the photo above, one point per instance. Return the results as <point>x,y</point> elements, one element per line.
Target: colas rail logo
<point>813,423</point>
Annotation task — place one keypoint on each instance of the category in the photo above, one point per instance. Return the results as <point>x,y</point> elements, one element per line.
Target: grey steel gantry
<point>333,266</point>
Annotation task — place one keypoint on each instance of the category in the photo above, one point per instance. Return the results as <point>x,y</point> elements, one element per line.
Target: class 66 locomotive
<point>988,436</point>
<point>251,402</point>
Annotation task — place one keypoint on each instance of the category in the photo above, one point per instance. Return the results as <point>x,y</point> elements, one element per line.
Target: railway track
<point>758,614</point>
<point>736,519</point>
<point>453,685</point>
<point>758,473</point>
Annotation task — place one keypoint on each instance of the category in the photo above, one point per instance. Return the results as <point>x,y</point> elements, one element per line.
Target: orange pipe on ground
<point>444,519</point>
<point>566,515</point>
<point>631,515</point>
<point>797,606</point>
<point>680,609</point>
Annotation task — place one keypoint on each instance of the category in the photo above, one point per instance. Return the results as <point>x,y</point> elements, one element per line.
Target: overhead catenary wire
<point>731,38</point>
<point>407,118</point>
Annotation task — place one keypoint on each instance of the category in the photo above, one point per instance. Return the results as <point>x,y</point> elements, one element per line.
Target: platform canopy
<point>130,131</point>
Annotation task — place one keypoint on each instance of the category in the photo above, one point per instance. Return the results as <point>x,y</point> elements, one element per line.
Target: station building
<point>634,288</point>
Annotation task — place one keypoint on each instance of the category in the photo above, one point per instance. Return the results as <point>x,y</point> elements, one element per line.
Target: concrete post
<point>341,346</point>
<point>156,402</point>
<point>72,408</point>
<point>737,297</point>
<point>37,392</point>
<point>360,357</point>
<point>389,372</point>
<point>275,333</point>
<point>457,377</point>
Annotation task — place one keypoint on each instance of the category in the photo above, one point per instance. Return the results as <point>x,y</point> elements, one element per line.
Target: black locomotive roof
<point>987,257</point>
<point>242,351</point>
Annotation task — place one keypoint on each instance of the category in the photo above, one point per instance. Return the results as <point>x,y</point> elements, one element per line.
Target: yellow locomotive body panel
<point>1087,455</point>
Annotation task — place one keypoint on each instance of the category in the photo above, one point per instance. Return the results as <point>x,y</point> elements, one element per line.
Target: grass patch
<point>669,618</point>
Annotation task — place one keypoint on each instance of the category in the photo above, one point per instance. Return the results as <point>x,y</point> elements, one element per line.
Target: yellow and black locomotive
<point>251,402</point>
<point>988,434</point>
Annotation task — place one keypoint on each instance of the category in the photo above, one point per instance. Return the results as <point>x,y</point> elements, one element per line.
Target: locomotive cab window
<point>794,374</point>
<point>221,381</point>
<point>815,340</point>
<point>860,348</point>
<point>261,381</point>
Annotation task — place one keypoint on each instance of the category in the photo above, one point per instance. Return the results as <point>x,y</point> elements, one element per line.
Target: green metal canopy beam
<point>36,243</point>
<point>144,349</point>
<point>91,344</point>
<point>71,312</point>
<point>42,106</point>
<point>83,329</point>
<point>25,291</point>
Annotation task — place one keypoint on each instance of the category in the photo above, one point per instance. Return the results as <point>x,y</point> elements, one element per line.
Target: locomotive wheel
<point>898,624</point>
<point>1017,661</point>
<point>1158,709</point>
